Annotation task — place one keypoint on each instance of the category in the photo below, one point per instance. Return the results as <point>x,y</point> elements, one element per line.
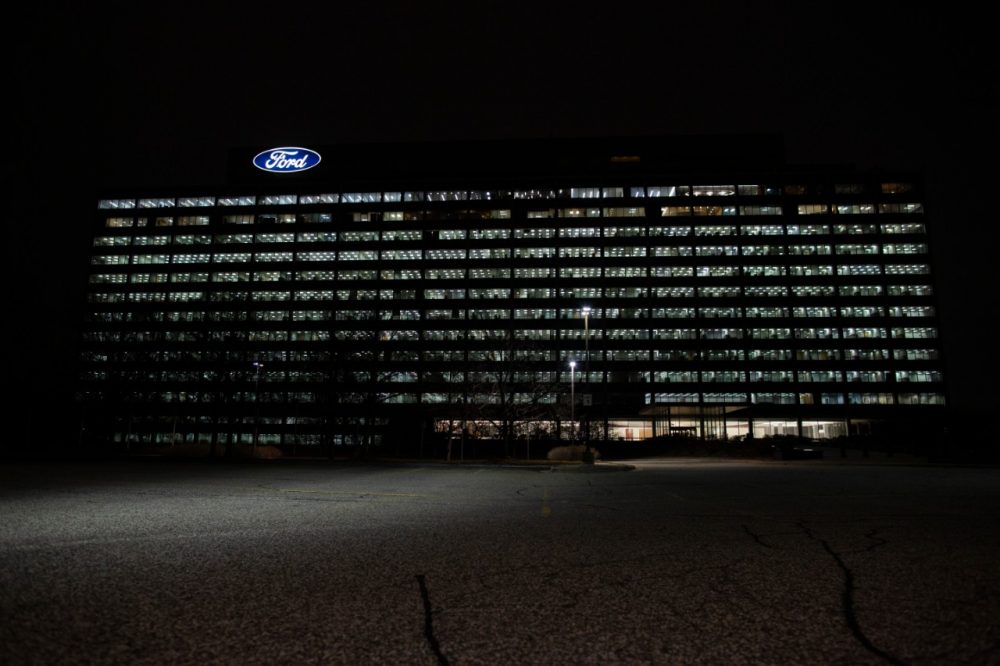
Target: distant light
<point>572,364</point>
<point>625,158</point>
<point>586,309</point>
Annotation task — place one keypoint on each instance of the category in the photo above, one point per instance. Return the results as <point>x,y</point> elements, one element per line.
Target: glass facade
<point>707,307</point>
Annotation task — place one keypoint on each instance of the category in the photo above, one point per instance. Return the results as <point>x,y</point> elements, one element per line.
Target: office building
<point>619,289</point>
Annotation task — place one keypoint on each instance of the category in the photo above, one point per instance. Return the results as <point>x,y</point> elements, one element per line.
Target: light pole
<point>586,378</point>
<point>572,397</point>
<point>256,401</point>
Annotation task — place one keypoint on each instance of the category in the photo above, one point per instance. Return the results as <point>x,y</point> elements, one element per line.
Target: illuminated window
<point>580,272</point>
<point>903,229</point>
<point>808,229</point>
<point>543,252</point>
<point>763,250</point>
<point>907,269</point>
<point>912,311</point>
<point>668,191</point>
<point>674,292</point>
<point>810,376</point>
<point>764,270</point>
<point>233,219</point>
<point>915,354</point>
<point>811,291</point>
<point>769,333</point>
<point>809,249</point>
<point>624,212</point>
<point>188,202</point>
<point>675,334</point>
<point>800,271</point>
<point>534,293</point>
<point>717,251</point>
<point>437,255</point>
<point>580,232</point>
<point>713,210</point>
<point>718,271</point>
<point>670,231</point>
<point>445,273</point>
<point>288,238</point>
<point>904,248</point>
<point>760,210</point>
<point>762,230</point>
<point>151,259</point>
<point>489,273</point>
<point>534,273</point>
<point>489,253</point>
<point>358,236</point>
<point>148,240</point>
<point>674,211</point>
<point>230,257</point>
<point>766,291</point>
<point>401,274</point>
<point>713,190</point>
<point>817,355</point>
<point>721,333</point>
<point>860,290</point>
<point>624,251</point>
<point>358,255</point>
<point>904,208</point>
<point>315,275</point>
<point>625,271</point>
<point>287,256</point>
<point>192,239</point>
<point>310,199</point>
<point>921,399</point>
<point>715,230</point>
<point>914,332</point>
<point>859,269</point>
<point>854,209</point>
<point>279,200</point>
<point>534,233</point>
<point>766,312</point>
<point>772,398</point>
<point>116,204</point>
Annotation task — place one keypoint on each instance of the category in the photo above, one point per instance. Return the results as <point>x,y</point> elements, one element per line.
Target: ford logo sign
<point>286,160</point>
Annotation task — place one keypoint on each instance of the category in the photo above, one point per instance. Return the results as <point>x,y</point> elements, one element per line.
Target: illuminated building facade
<point>698,287</point>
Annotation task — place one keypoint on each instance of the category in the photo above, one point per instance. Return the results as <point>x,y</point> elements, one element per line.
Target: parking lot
<point>678,561</point>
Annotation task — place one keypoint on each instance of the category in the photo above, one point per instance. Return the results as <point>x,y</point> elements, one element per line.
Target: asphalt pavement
<point>673,562</point>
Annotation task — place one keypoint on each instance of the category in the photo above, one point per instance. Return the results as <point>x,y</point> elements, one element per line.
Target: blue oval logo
<point>288,159</point>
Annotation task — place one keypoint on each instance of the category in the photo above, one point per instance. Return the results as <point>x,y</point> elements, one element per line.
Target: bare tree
<point>361,377</point>
<point>509,392</point>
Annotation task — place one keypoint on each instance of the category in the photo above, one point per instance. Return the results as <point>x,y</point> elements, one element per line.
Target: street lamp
<point>586,377</point>
<point>256,401</point>
<point>572,397</point>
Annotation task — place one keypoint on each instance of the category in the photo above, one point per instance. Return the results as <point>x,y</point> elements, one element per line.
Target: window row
<point>387,333</point>
<point>520,355</point>
<point>526,293</point>
<point>487,195</point>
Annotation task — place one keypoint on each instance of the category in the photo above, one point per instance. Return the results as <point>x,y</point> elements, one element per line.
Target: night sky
<point>136,96</point>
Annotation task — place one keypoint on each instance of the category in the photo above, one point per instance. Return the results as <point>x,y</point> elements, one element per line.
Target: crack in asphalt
<point>847,597</point>
<point>756,537</point>
<point>429,623</point>
<point>878,542</point>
